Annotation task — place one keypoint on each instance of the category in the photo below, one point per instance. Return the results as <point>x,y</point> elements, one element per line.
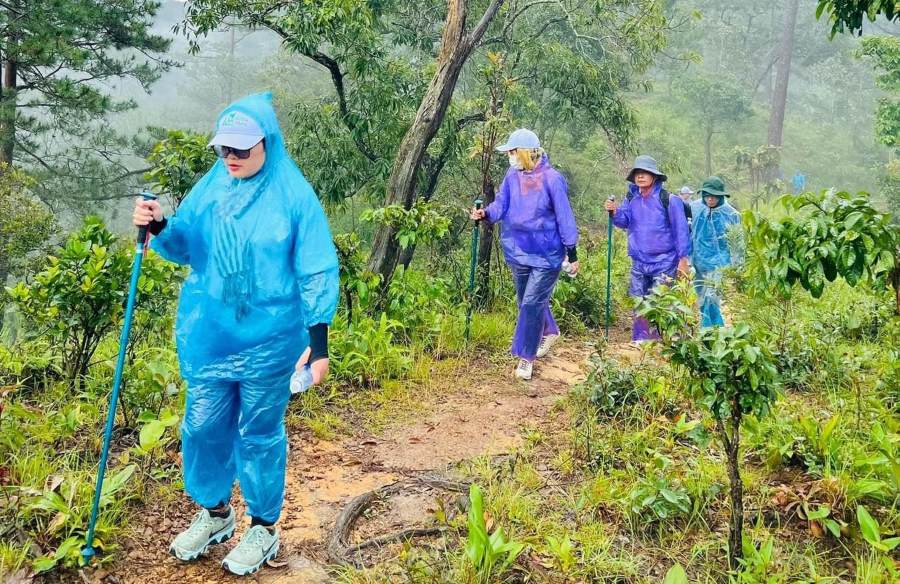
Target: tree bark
<point>736,523</point>
<point>485,246</point>
<point>783,74</point>
<point>8,104</point>
<point>456,46</point>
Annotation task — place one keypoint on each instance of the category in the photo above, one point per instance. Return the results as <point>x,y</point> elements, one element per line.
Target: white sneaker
<point>546,342</point>
<point>523,371</point>
<point>205,530</point>
<point>256,547</point>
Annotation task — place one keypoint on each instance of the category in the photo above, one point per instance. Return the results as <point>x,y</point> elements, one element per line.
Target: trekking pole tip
<point>87,552</point>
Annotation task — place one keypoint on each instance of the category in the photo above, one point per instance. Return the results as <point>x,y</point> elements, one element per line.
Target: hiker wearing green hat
<point>659,241</point>
<point>713,217</point>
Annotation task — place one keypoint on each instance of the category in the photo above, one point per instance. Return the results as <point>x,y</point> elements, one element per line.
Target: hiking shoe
<point>523,371</point>
<point>546,343</point>
<point>256,547</point>
<point>205,530</point>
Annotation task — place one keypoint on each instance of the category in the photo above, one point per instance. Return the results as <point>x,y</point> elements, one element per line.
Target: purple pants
<point>644,277</point>
<point>533,289</point>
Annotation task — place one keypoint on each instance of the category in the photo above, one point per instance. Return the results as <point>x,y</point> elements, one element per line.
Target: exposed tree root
<point>340,551</point>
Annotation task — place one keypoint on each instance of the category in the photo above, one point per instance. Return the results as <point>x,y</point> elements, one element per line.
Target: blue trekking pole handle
<point>474,254</point>
<point>609,255</point>
<point>87,552</point>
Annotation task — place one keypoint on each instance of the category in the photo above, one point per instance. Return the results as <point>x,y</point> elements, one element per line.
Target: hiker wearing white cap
<point>259,298</point>
<point>538,234</point>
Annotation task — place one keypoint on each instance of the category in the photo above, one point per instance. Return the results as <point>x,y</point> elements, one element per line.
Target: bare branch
<point>474,37</point>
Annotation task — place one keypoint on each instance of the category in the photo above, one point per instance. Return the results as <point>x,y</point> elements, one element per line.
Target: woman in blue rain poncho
<point>712,219</point>
<point>260,295</point>
<point>538,233</point>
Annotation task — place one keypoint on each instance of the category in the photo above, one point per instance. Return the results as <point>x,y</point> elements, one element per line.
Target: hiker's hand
<point>683,268</point>
<point>477,214</point>
<point>610,206</point>
<point>146,211</point>
<point>573,267</point>
<point>318,368</point>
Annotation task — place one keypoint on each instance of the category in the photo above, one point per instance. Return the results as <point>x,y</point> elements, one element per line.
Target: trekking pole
<point>474,258</point>
<point>87,552</point>
<point>609,255</point>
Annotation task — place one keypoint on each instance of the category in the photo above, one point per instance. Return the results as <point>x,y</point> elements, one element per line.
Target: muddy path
<point>471,416</point>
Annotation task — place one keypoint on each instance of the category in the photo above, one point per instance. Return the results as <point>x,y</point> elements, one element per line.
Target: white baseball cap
<point>237,130</point>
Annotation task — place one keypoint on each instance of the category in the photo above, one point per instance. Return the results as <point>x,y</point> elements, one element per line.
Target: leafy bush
<point>612,388</point>
<point>79,295</point>
<point>826,235</point>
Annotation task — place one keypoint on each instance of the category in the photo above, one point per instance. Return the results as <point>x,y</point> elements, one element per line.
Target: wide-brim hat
<point>647,164</point>
<point>714,186</point>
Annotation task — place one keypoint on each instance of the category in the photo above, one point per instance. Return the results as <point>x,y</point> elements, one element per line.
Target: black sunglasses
<point>225,151</point>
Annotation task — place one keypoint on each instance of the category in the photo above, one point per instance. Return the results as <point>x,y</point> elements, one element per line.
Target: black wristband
<point>156,227</point>
<point>572,254</point>
<point>318,342</point>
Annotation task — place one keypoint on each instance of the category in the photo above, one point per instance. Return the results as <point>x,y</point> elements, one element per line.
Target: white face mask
<point>514,162</point>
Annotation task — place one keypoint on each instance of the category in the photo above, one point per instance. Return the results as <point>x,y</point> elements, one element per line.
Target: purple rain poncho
<point>537,221</point>
<point>655,244</point>
<point>537,227</point>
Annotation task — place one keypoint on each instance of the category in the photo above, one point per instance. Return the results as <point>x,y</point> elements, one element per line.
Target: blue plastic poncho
<point>263,265</point>
<point>711,253</point>
<point>537,223</point>
<point>263,270</point>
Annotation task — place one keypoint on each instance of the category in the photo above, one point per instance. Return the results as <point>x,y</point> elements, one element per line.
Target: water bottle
<point>301,380</point>
<point>568,269</point>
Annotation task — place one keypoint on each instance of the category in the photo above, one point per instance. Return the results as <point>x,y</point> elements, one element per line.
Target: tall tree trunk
<point>732,448</point>
<point>8,103</point>
<point>485,245</point>
<point>456,46</point>
<point>783,74</point>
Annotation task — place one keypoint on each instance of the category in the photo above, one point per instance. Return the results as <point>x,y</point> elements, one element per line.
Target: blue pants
<point>709,297</point>
<point>235,429</point>
<point>533,289</point>
<point>645,277</point>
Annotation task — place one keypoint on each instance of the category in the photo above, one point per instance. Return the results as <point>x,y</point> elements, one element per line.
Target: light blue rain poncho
<point>710,254</point>
<point>263,270</point>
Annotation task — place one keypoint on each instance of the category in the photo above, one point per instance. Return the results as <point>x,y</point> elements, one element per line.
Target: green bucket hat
<point>714,186</point>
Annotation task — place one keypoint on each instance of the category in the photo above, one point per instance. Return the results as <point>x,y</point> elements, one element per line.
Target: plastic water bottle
<point>568,269</point>
<point>301,380</point>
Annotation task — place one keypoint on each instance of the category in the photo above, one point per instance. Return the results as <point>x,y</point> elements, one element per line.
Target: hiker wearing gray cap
<point>659,241</point>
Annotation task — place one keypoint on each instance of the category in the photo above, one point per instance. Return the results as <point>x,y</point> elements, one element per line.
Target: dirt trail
<point>463,423</point>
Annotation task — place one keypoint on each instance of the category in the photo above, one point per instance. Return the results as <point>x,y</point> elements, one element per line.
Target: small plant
<point>657,497</point>
<point>871,532</point>
<point>489,555</point>
<point>562,550</point>
<point>757,564</point>
<point>731,373</point>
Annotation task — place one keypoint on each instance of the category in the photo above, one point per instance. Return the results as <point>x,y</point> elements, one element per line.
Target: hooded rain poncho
<point>263,270</point>
<point>711,253</point>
